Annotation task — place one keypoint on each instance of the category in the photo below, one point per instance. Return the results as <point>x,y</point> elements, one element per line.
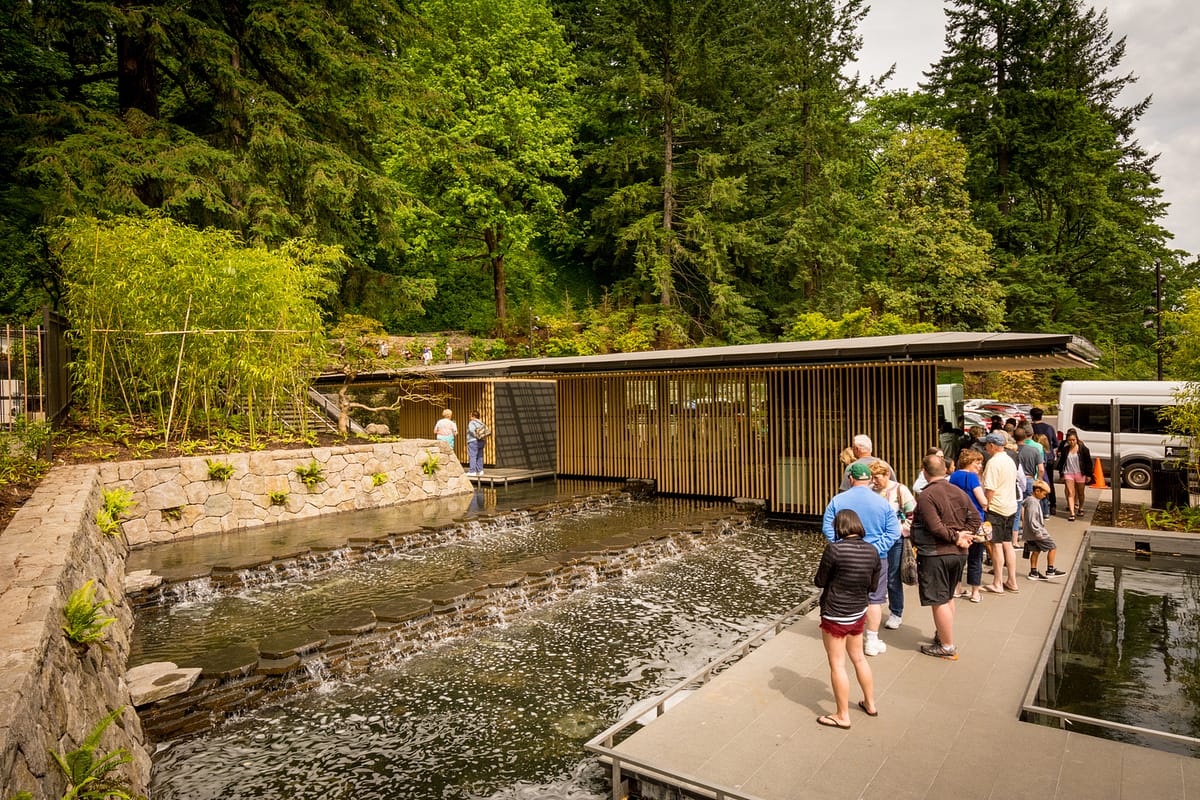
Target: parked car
<point>975,418</point>
<point>1004,410</point>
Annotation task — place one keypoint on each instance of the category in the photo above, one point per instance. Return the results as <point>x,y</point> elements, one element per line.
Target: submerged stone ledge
<point>351,643</point>
<point>145,589</point>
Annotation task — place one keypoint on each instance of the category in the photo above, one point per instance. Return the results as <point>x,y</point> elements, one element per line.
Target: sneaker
<point>939,650</point>
<point>874,647</point>
<point>1034,575</point>
<point>893,622</point>
<point>1051,572</point>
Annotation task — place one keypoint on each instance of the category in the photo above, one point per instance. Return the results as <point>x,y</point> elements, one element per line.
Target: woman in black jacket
<point>848,571</point>
<point>1076,467</point>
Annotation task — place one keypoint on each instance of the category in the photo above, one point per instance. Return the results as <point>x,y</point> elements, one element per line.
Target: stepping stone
<point>142,580</point>
<point>234,661</point>
<point>446,592</point>
<point>402,609</point>
<point>355,622</point>
<point>188,572</point>
<point>159,679</point>
<point>291,642</point>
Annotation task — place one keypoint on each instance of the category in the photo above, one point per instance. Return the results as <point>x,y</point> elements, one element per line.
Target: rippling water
<point>503,713</point>
<point>181,631</point>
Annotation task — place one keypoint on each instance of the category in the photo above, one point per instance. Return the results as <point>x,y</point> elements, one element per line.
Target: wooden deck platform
<point>945,729</point>
<point>503,476</point>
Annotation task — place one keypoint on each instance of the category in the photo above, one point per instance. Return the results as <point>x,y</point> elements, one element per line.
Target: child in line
<point>1037,538</point>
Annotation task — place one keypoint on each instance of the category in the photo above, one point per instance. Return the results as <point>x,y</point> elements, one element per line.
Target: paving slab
<point>945,729</point>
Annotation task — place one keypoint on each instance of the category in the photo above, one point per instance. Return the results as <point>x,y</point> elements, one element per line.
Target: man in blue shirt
<point>882,527</point>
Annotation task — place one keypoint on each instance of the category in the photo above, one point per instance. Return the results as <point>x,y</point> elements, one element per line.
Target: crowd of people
<point>978,500</point>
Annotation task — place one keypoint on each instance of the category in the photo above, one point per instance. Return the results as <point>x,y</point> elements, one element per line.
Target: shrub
<point>430,464</point>
<point>279,498</point>
<point>84,622</point>
<point>312,474</point>
<point>90,776</point>
<point>116,503</point>
<point>379,479</point>
<point>219,470</point>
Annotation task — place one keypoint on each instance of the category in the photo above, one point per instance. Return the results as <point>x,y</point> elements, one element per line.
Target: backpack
<point>483,431</point>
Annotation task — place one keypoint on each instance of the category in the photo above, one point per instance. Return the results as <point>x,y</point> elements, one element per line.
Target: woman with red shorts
<point>848,571</point>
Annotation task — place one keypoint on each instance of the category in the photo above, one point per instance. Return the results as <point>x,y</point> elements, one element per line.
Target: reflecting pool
<point>1134,652</point>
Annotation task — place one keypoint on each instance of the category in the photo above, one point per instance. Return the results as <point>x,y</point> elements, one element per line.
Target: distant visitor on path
<point>849,570</point>
<point>445,428</point>
<point>427,355</point>
<point>476,433</point>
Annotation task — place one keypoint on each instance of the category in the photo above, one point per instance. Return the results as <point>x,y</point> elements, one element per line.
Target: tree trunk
<point>668,190</point>
<point>343,411</point>
<point>496,261</point>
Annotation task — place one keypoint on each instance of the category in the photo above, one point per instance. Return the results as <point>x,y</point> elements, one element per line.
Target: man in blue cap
<point>882,530</point>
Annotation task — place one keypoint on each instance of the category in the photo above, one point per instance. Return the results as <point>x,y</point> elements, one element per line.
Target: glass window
<point>1150,421</point>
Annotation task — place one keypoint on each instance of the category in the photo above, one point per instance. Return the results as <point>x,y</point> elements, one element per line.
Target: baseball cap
<point>859,471</point>
<point>996,438</point>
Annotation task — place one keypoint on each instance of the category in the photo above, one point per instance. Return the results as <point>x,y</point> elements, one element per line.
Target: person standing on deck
<point>943,528</point>
<point>882,530</point>
<point>848,572</point>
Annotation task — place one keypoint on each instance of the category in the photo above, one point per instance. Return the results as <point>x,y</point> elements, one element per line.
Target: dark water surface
<point>503,713</point>
<point>1135,657</point>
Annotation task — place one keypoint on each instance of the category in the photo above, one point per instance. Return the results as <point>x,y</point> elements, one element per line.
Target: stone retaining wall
<point>53,693</point>
<point>357,641</point>
<point>175,499</point>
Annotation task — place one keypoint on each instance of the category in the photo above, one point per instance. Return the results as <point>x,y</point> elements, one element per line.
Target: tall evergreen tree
<point>1069,196</point>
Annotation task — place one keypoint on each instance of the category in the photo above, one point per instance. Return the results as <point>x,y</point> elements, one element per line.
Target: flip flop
<point>830,722</point>
<point>863,705</point>
<point>1011,589</point>
<point>992,589</point>
<point>976,599</point>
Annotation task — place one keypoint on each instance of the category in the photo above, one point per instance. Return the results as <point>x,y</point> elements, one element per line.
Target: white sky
<point>1162,50</point>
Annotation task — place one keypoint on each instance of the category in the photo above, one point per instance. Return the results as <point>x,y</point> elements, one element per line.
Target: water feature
<point>1133,652</point>
<point>212,619</point>
<point>503,713</point>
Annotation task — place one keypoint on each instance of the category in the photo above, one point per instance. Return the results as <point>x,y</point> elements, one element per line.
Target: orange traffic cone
<point>1099,475</point>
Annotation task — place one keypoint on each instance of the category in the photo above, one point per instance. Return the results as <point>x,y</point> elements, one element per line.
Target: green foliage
<point>430,463</point>
<point>219,470</point>
<point>863,322</point>
<point>116,502</point>
<point>177,323</point>
<point>174,513</point>
<point>279,498</point>
<point>90,775</point>
<point>311,475</point>
<point>1185,519</point>
<point>84,623</point>
<point>495,135</point>
<point>21,448</point>
<point>379,478</point>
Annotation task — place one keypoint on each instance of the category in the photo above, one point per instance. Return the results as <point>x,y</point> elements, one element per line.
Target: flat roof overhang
<point>972,352</point>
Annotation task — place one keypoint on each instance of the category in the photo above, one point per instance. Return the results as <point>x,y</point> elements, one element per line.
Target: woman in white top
<point>445,429</point>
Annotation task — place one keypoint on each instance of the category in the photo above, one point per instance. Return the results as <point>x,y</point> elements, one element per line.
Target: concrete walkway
<point>945,729</point>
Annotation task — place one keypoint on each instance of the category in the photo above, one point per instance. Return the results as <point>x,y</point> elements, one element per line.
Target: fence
<point>34,382</point>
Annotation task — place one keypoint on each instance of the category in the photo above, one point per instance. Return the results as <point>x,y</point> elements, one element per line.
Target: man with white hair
<point>861,445</point>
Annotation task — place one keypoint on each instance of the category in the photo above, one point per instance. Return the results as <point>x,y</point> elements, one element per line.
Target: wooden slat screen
<point>415,419</point>
<point>773,434</point>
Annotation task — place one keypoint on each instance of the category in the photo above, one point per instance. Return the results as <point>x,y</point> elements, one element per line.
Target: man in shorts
<point>943,528</point>
<point>999,482</point>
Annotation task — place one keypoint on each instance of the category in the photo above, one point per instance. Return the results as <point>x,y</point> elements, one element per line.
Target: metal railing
<point>604,744</point>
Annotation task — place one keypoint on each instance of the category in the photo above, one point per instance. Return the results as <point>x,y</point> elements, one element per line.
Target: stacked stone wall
<point>52,692</point>
<point>176,499</point>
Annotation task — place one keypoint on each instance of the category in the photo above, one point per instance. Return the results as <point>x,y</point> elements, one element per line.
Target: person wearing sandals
<point>1076,467</point>
<point>849,571</point>
<point>1000,487</point>
<point>944,526</point>
<point>966,477</point>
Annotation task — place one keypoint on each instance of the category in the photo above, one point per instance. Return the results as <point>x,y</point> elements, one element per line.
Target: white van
<point>1141,439</point>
